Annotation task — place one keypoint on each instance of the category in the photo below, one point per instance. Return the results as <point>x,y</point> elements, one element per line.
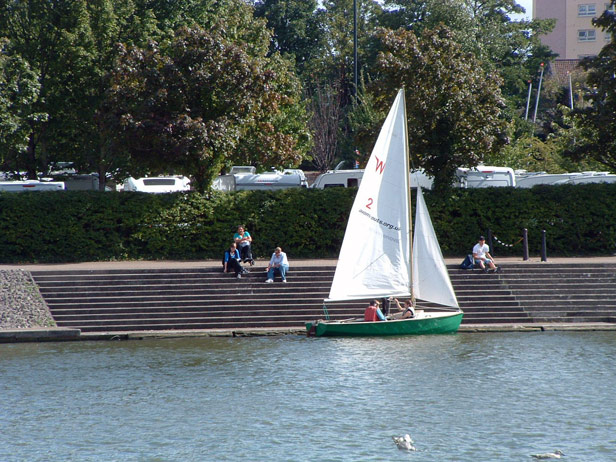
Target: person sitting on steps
<point>231,262</point>
<point>243,240</point>
<point>278,262</point>
<point>481,255</point>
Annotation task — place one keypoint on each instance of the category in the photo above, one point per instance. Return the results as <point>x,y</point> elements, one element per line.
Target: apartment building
<point>574,37</point>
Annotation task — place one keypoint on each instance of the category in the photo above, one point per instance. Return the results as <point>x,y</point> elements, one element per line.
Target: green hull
<point>441,323</point>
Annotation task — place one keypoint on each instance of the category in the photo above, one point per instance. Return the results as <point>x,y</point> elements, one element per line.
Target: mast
<point>407,169</point>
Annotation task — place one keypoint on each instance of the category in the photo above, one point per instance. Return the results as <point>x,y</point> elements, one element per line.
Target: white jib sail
<point>374,258</point>
<point>430,277</point>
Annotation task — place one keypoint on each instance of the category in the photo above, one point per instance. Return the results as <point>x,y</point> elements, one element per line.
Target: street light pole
<point>355,46</point>
<point>538,94</point>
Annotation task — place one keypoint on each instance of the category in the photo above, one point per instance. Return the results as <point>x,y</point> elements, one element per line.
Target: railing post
<point>544,253</point>
<point>490,242</point>
<point>525,244</point>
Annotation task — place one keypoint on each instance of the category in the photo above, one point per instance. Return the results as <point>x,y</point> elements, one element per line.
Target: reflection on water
<point>465,397</point>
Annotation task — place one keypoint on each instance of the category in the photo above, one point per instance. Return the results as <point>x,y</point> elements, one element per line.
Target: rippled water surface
<point>465,397</point>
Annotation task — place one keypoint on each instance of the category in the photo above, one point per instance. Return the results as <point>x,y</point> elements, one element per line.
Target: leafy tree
<point>37,33</point>
<point>19,92</point>
<point>188,108</point>
<point>484,28</point>
<point>453,105</point>
<point>295,26</point>
<point>596,122</point>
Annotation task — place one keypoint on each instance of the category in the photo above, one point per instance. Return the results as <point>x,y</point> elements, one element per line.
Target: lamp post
<point>530,88</point>
<point>538,94</point>
<point>354,46</point>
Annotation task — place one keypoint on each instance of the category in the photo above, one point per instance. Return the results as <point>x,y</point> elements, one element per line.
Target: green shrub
<point>74,226</point>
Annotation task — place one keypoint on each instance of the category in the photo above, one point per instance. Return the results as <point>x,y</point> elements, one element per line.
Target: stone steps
<point>205,298</point>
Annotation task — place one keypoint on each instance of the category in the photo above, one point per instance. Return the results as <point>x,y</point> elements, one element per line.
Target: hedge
<point>76,226</point>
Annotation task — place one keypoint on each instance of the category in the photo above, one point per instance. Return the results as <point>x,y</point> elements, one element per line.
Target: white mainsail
<point>430,277</point>
<point>375,256</point>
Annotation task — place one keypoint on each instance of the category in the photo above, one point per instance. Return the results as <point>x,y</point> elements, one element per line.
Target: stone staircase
<point>205,298</point>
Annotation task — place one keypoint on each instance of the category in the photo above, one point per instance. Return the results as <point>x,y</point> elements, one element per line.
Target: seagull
<point>404,442</point>
<point>549,455</point>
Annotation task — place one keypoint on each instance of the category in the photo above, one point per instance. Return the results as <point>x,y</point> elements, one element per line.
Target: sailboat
<point>377,259</point>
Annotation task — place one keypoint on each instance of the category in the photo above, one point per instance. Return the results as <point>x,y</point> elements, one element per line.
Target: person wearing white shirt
<point>278,262</point>
<point>481,255</point>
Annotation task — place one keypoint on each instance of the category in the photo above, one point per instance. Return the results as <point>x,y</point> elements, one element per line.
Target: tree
<point>453,105</point>
<point>187,108</point>
<point>19,93</point>
<point>295,28</point>
<point>324,123</point>
<point>596,122</point>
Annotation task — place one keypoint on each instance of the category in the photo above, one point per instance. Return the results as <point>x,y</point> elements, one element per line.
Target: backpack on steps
<point>468,262</point>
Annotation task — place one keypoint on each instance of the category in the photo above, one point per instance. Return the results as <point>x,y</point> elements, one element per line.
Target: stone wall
<point>21,304</point>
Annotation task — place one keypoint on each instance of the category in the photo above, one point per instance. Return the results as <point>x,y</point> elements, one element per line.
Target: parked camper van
<point>485,177</point>
<point>31,185</point>
<point>157,184</point>
<point>245,177</point>
<point>352,178</point>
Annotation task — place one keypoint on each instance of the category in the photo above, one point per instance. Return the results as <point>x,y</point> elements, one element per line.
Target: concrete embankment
<point>25,317</point>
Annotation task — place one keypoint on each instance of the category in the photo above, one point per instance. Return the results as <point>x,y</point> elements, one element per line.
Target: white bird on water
<point>549,455</point>
<point>404,442</point>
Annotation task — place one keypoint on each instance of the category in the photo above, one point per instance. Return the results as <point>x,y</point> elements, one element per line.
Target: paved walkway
<point>141,264</point>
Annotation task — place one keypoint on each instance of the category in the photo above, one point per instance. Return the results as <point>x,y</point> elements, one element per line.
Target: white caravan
<point>157,184</point>
<point>526,179</point>
<point>352,178</point>
<point>245,177</point>
<point>484,176</point>
<point>31,185</point>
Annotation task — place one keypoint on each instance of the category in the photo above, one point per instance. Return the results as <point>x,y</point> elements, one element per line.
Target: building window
<point>588,9</point>
<point>587,35</point>
<point>610,7</point>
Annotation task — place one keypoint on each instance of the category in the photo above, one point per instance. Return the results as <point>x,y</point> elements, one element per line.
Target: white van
<point>31,185</point>
<point>157,184</point>
<point>484,176</point>
<point>352,178</point>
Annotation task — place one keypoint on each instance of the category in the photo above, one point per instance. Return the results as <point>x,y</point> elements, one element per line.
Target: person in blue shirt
<point>231,261</point>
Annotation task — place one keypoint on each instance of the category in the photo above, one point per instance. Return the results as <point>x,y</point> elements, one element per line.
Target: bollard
<point>490,242</point>
<point>525,244</point>
<point>544,253</point>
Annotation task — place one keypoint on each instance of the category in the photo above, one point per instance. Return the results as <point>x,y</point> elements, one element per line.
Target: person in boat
<point>243,240</point>
<point>373,312</point>
<point>231,261</point>
<point>481,255</point>
<point>278,262</point>
<point>407,311</point>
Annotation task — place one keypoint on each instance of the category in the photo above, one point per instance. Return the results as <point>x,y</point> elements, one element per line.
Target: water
<point>465,397</point>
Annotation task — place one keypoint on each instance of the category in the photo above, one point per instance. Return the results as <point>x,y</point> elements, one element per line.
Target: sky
<point>528,6</point>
